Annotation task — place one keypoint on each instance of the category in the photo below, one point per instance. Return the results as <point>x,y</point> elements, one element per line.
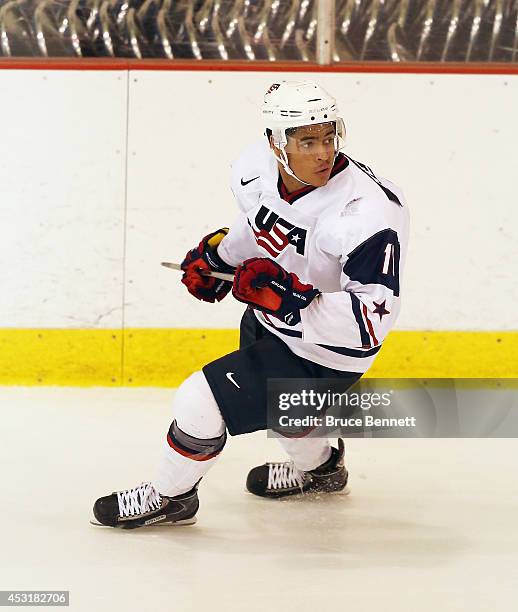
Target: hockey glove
<point>266,286</point>
<point>205,257</point>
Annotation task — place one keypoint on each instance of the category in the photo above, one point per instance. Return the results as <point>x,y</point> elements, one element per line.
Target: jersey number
<point>376,261</point>
<point>388,262</point>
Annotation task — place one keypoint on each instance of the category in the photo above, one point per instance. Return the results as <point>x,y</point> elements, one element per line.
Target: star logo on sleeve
<point>380,309</point>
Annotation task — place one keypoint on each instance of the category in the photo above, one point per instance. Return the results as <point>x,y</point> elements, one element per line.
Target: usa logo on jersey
<point>274,234</point>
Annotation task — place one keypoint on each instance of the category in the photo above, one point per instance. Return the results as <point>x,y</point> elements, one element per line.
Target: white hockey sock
<point>307,453</point>
<point>195,438</point>
<point>177,474</point>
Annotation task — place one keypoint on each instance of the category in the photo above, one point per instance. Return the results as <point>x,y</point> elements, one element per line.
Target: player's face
<point>311,153</point>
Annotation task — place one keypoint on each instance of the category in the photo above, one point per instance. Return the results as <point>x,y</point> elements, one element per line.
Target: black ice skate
<point>143,506</point>
<point>283,478</point>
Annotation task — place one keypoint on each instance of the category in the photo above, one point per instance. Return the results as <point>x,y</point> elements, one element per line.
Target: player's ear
<point>275,149</point>
<point>269,136</point>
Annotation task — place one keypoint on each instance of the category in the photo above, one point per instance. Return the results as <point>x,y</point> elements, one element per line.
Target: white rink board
<point>62,169</point>
<point>448,140</point>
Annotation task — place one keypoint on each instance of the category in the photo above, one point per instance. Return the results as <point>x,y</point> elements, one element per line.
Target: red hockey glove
<point>265,285</point>
<point>205,257</point>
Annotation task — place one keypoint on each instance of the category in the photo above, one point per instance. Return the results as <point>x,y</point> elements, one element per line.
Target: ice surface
<point>429,525</point>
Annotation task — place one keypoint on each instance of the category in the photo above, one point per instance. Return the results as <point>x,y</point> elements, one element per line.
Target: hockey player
<point>317,250</point>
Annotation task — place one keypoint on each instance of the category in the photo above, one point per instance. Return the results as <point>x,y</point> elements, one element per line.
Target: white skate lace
<point>284,476</point>
<point>139,500</point>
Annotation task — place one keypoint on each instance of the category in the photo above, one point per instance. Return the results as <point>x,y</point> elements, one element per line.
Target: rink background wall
<point>107,173</point>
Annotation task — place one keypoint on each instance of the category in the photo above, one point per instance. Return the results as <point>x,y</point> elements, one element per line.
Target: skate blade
<point>189,521</point>
<point>317,495</point>
<point>307,495</point>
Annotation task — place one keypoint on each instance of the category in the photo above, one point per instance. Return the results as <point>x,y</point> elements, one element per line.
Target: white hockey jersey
<point>348,239</point>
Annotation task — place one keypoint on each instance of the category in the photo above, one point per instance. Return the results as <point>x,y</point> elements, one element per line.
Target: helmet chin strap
<point>284,161</point>
<point>285,164</point>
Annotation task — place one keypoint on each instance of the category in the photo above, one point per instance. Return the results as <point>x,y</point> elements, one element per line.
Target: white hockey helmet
<point>292,104</point>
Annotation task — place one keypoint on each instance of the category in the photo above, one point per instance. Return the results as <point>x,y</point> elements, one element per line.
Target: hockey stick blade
<point>220,275</point>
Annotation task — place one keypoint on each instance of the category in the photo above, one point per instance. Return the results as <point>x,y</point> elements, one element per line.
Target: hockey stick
<point>221,275</point>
